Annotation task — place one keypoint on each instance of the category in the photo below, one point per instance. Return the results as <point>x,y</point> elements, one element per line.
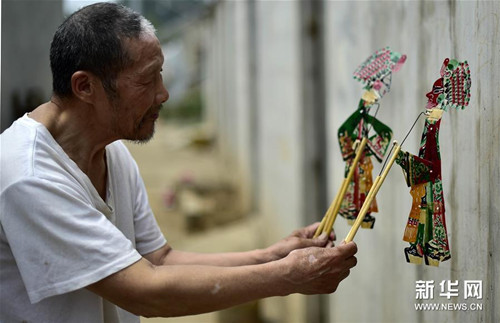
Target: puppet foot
<point>431,261</point>
<point>446,256</point>
<point>438,251</point>
<point>435,255</point>
<point>412,256</point>
<point>368,222</point>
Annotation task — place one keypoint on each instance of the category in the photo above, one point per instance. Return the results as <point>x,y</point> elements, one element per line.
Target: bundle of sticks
<point>326,224</point>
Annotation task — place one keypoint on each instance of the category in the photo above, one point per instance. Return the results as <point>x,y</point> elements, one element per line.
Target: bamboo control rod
<point>326,224</point>
<point>372,193</point>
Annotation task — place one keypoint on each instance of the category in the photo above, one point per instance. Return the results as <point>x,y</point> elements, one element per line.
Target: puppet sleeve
<point>415,169</point>
<point>379,142</point>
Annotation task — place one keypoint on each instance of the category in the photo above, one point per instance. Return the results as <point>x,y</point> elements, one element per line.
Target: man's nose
<point>163,94</point>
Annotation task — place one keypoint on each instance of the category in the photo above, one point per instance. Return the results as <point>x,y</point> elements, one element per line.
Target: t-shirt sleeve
<point>61,243</point>
<point>148,236</point>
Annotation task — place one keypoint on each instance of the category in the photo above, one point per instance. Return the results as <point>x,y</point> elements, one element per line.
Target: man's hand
<point>319,270</point>
<point>302,238</point>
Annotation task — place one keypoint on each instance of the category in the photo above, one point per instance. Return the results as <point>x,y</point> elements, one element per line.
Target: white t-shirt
<point>57,235</point>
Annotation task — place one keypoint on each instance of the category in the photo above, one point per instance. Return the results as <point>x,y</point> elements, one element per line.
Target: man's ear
<point>83,85</point>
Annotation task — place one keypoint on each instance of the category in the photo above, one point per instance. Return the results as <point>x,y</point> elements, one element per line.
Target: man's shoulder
<point>22,130</point>
<point>29,152</point>
<point>17,150</point>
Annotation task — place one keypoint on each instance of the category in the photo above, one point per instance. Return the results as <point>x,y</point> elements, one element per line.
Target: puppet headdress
<point>378,66</point>
<point>456,84</point>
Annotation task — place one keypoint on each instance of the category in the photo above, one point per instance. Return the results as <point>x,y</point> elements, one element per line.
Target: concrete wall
<point>255,97</point>
<point>27,30</point>
<point>260,71</point>
<point>257,106</point>
<point>280,111</point>
<point>382,287</point>
<point>230,103</point>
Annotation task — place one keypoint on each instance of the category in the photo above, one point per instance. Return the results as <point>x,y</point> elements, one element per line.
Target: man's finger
<point>348,249</point>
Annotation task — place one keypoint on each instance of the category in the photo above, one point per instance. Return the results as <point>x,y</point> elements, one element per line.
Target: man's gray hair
<point>92,39</point>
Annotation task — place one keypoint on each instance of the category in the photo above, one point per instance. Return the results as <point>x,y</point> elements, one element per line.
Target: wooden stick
<point>332,211</point>
<point>343,189</point>
<point>319,229</point>
<point>326,224</point>
<point>363,211</point>
<point>338,202</point>
<point>372,193</point>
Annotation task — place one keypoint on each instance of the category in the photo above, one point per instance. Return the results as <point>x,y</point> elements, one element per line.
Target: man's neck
<point>73,126</point>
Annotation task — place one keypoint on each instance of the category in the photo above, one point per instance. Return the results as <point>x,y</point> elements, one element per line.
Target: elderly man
<point>78,240</point>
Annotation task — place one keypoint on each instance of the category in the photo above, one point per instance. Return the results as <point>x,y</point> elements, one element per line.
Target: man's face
<point>139,91</point>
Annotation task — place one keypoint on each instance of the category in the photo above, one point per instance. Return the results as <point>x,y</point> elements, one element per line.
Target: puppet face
<point>370,97</point>
<point>433,95</point>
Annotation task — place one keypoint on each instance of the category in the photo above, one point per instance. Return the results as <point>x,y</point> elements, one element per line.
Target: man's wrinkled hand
<point>299,239</point>
<point>319,270</point>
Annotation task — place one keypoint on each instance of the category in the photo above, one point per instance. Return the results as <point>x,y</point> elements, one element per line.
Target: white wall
<point>254,91</point>
<point>27,30</point>
<point>275,136</point>
<point>258,104</point>
<point>279,106</point>
<point>382,287</point>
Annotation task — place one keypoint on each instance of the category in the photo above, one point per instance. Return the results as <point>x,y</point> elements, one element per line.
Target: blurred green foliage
<point>187,109</point>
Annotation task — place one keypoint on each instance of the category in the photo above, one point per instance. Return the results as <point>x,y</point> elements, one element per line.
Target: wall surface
<point>265,41</point>
<point>383,286</point>
<point>26,79</point>
<point>279,106</point>
<point>254,89</point>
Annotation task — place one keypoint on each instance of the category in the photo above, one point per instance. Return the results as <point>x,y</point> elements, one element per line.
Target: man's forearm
<point>173,290</point>
<point>229,259</point>
<point>178,290</point>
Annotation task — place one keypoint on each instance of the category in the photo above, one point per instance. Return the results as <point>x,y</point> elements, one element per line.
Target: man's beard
<point>143,139</point>
<point>138,135</point>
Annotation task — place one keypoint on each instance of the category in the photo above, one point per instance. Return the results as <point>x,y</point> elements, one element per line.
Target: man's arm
<point>175,290</point>
<point>299,239</point>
